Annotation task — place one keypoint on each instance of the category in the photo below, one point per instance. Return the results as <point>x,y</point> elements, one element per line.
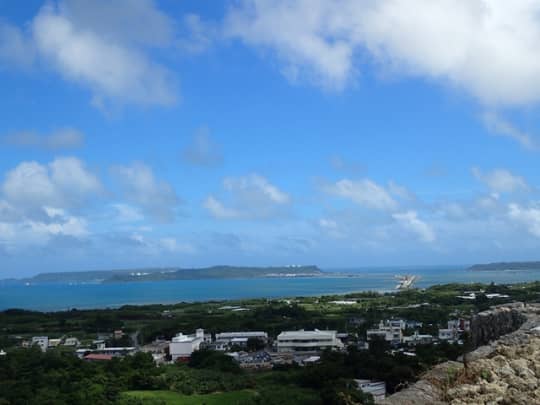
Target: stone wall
<point>513,325</point>
<point>493,323</point>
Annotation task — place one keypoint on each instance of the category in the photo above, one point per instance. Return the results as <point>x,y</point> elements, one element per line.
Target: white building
<point>448,334</point>
<point>302,340</point>
<point>54,342</point>
<point>226,339</point>
<point>376,388</point>
<point>182,346</point>
<point>417,339</point>
<point>72,341</point>
<point>41,341</point>
<point>391,331</point>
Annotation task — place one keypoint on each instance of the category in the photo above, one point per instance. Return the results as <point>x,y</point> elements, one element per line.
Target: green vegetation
<point>59,377</point>
<point>173,398</point>
<point>502,266</point>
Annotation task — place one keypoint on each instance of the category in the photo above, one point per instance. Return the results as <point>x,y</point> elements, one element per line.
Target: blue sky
<point>343,134</point>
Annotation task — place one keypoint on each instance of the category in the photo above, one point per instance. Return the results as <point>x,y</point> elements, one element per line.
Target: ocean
<point>55,297</point>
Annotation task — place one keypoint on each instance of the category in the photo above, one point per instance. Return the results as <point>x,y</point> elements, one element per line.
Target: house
<point>257,360</point>
<point>461,325</point>
<point>99,344</point>
<point>449,334</point>
<point>98,357</point>
<point>413,324</point>
<point>109,351</point>
<point>54,342</point>
<point>390,331</point>
<point>118,334</point>
<point>2,353</point>
<point>226,339</point>
<point>417,339</point>
<point>302,340</point>
<point>376,388</point>
<point>497,295</point>
<point>41,341</point>
<point>116,351</point>
<point>72,341</point>
<point>182,346</point>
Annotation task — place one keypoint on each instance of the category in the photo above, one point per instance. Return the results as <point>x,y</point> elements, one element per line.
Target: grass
<point>174,398</point>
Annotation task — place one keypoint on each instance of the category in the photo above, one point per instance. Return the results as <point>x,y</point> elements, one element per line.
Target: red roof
<point>96,356</point>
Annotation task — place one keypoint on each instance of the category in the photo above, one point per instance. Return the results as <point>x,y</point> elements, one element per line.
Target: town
<point>408,331</point>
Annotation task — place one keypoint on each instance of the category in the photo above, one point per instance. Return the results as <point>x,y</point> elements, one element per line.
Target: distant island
<point>161,274</point>
<point>508,266</point>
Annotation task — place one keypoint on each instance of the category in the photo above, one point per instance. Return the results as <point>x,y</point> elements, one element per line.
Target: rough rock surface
<point>507,371</point>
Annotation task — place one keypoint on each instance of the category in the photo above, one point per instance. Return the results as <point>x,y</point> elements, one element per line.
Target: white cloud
<point>331,228</point>
<point>199,34</point>
<point>65,138</point>
<point>15,48</point>
<point>218,210</point>
<point>30,232</point>
<point>173,246</point>
<point>410,221</point>
<point>256,187</point>
<point>121,20</point>
<point>63,183</point>
<point>202,151</point>
<point>501,180</point>
<point>104,60</point>
<point>528,217</point>
<point>498,126</point>
<point>154,247</point>
<point>363,192</point>
<point>487,48</point>
<point>141,187</point>
<point>127,213</point>
<point>252,196</point>
<point>400,191</point>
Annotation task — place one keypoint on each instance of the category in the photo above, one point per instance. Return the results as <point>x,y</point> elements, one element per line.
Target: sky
<point>346,133</point>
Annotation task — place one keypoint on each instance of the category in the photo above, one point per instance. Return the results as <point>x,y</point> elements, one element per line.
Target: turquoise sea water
<point>53,297</point>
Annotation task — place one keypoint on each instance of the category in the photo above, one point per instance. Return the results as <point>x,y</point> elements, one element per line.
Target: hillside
<point>159,274</point>
<point>220,272</point>
<point>501,266</point>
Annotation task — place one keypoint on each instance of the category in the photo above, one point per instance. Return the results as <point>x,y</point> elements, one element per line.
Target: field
<point>173,398</point>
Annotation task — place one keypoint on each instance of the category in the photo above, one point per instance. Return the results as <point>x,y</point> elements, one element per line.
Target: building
<point>461,325</point>
<point>158,349</point>
<point>98,357</point>
<point>257,360</point>
<point>376,388</point>
<point>182,346</point>
<point>72,341</point>
<point>116,351</point>
<point>449,334</point>
<point>41,341</point>
<point>302,340</point>
<point>54,342</point>
<point>413,324</point>
<point>109,351</point>
<point>225,340</point>
<point>390,331</point>
<point>118,334</point>
<point>417,339</point>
